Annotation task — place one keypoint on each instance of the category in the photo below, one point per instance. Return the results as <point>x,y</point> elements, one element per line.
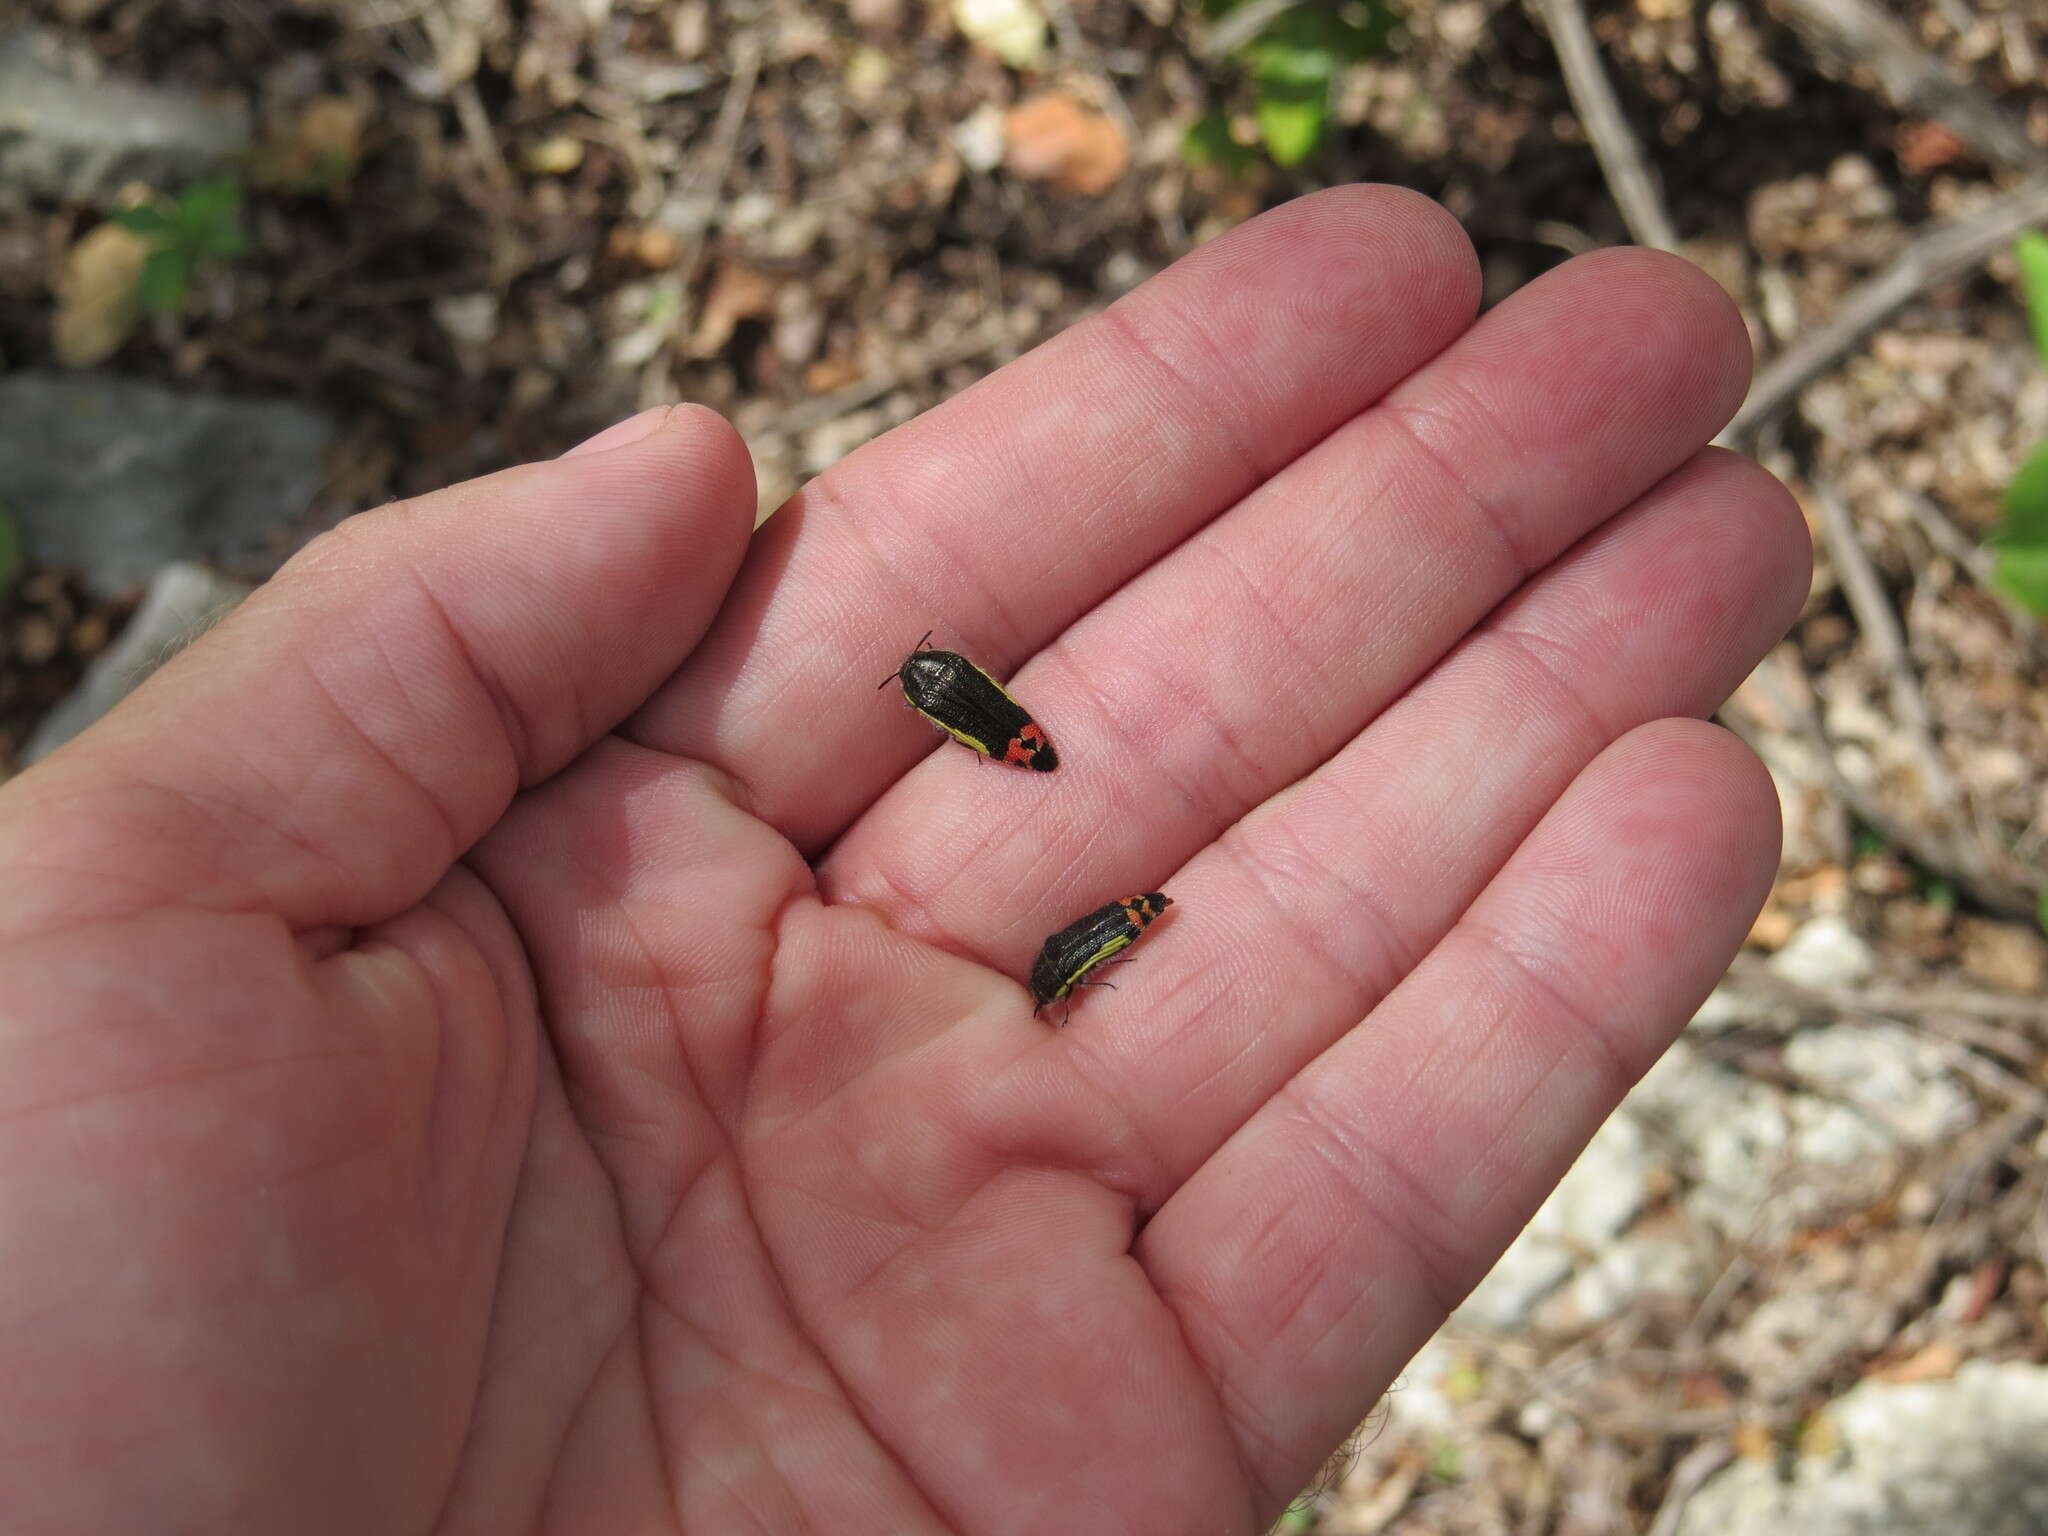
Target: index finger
<point>1001,516</point>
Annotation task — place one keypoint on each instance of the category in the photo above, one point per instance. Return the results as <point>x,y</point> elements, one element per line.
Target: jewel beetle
<point>1067,957</point>
<point>972,707</point>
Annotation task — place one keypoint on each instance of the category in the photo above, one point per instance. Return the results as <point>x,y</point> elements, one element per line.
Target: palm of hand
<point>664,1145</point>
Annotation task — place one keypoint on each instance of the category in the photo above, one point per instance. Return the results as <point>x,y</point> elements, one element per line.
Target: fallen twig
<point>1621,158</point>
<point>1240,26</point>
<point>1938,855</point>
<point>1933,257</point>
<point>1752,976</point>
<point>1693,1469</point>
<point>1075,44</point>
<point>991,337</point>
<point>1887,642</point>
<point>657,385</point>
<point>1859,32</point>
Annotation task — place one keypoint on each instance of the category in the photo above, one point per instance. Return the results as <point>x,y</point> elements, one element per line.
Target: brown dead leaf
<point>1937,1362</point>
<point>322,150</point>
<point>1773,928</point>
<point>649,245</point>
<point>830,373</point>
<point>1924,147</point>
<point>96,299</point>
<point>738,292</point>
<point>2007,956</point>
<point>1754,1441</point>
<point>1056,138</point>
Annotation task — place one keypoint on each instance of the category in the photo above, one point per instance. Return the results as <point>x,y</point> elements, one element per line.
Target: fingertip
<point>1368,254</point>
<point>1649,293</point>
<point>1698,813</point>
<point>674,459</point>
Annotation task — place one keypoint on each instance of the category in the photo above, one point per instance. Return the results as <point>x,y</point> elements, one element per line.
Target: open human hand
<point>513,1033</point>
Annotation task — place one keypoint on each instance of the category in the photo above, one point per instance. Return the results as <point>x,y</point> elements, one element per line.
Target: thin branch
<point>1747,973</point>
<point>1621,158</point>
<point>1693,1469</point>
<point>1938,855</point>
<point>1860,33</point>
<point>1887,641</point>
<point>657,383</point>
<point>1933,258</point>
<point>1243,24</point>
<point>991,337</point>
<point>1075,44</point>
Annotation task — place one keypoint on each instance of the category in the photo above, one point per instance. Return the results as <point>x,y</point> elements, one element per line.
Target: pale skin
<point>512,1032</point>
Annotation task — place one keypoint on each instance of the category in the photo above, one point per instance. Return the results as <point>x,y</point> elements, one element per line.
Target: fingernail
<point>622,433</point>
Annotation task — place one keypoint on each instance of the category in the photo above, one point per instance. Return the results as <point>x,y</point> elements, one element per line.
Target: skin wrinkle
<point>1246,848</point>
<point>1621,1070</point>
<point>1125,1130</point>
<point>1537,650</point>
<point>818,1349</point>
<point>983,600</point>
<point>519,735</point>
<point>1247,1048</point>
<point>1409,1217</point>
<point>160,1082</point>
<point>1251,467</point>
<point>130,786</point>
<point>1408,417</point>
<point>451,832</point>
<point>1301,658</point>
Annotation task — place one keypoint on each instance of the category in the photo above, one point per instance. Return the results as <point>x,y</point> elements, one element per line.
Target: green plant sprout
<point>202,223</point>
<point>2021,542</point>
<point>1293,61</point>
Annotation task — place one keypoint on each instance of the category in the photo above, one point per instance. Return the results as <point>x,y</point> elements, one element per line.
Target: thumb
<point>359,722</point>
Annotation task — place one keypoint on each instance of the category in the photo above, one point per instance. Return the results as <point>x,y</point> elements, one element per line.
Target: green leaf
<point>223,240</point>
<point>2032,251</point>
<point>208,203</point>
<point>1286,64</point>
<point>1208,143</point>
<point>145,219</point>
<point>2021,541</point>
<point>1292,123</point>
<point>161,286</point>
<point>2022,575</point>
<point>10,551</point>
<point>2026,500</point>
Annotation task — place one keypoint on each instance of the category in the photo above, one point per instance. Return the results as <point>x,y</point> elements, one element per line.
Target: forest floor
<point>481,230</point>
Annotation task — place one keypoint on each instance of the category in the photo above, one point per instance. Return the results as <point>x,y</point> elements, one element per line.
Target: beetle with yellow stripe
<point>973,708</point>
<point>1067,957</point>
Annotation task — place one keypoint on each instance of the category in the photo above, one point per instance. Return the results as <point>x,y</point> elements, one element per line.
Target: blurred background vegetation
<point>265,262</point>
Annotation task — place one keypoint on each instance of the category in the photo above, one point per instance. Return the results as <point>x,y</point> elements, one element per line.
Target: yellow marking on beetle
<point>1121,941</point>
<point>958,735</point>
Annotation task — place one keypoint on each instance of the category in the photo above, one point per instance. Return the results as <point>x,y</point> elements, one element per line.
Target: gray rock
<point>1893,1075</point>
<point>1825,952</point>
<point>1633,1266</point>
<point>67,135</point>
<point>1758,1158</point>
<point>1597,1198</point>
<point>118,478</point>
<point>183,601</point>
<point>1965,1457</point>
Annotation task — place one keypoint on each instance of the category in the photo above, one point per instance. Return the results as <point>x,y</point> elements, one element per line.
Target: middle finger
<point>1264,643</point>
